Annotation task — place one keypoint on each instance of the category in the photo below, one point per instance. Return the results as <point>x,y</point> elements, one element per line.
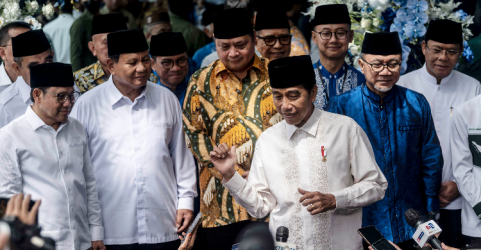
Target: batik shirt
<point>334,84</point>
<point>220,108</point>
<point>299,46</point>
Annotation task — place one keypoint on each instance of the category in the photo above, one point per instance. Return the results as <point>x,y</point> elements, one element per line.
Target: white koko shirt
<point>466,160</point>
<point>53,166</point>
<point>454,90</point>
<point>5,81</point>
<point>287,158</point>
<point>14,101</point>
<point>143,168</point>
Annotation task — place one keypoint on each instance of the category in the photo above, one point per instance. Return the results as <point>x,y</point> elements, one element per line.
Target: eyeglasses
<point>271,40</point>
<point>326,35</point>
<point>168,64</point>
<point>62,97</point>
<point>437,51</point>
<point>393,67</point>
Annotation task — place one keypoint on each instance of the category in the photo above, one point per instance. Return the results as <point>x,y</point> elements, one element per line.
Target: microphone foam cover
<point>412,217</point>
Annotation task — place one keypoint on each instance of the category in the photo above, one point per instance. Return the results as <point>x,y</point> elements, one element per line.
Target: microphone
<point>282,234</point>
<point>425,231</point>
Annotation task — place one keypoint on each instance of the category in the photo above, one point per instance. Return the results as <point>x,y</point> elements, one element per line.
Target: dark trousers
<point>220,238</point>
<point>450,223</point>
<point>171,245</point>
<point>405,245</point>
<point>472,242</point>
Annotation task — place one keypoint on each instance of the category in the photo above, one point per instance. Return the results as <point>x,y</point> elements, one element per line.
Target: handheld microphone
<point>425,231</point>
<point>282,234</point>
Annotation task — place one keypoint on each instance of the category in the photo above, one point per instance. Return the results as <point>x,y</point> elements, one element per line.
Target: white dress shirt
<point>144,170</point>
<point>4,79</point>
<point>287,158</point>
<point>466,160</point>
<point>454,90</point>
<point>53,166</point>
<point>14,101</point>
<point>58,31</point>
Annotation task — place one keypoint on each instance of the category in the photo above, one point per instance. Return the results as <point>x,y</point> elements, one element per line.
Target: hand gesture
<point>317,202</point>
<point>448,193</point>
<point>224,160</point>
<point>189,240</point>
<point>98,245</point>
<point>18,207</point>
<point>185,215</point>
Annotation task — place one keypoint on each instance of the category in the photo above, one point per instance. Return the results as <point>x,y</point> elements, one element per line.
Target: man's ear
<point>423,47</point>
<point>110,65</point>
<point>152,62</point>
<point>351,35</point>
<point>36,95</point>
<point>17,69</point>
<point>361,64</point>
<point>314,93</point>
<point>3,54</point>
<point>92,48</point>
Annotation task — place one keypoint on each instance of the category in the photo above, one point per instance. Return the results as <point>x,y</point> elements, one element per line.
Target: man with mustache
<point>273,34</point>
<point>45,153</point>
<point>332,33</point>
<point>400,127</point>
<point>445,89</point>
<point>145,173</point>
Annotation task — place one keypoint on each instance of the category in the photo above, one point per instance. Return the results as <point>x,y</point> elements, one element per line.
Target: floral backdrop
<point>11,11</point>
<point>408,17</point>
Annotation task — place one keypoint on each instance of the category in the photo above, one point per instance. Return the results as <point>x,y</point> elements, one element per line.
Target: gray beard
<point>384,90</point>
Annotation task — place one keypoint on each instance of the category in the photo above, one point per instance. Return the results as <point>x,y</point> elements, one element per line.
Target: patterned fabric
<point>220,108</point>
<point>406,148</point>
<point>335,82</point>
<point>93,75</point>
<point>299,45</point>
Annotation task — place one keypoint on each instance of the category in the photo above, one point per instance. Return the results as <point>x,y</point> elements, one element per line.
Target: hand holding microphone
<point>425,231</point>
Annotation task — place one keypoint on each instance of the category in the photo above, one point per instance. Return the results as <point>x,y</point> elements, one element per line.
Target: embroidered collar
<point>432,79</point>
<point>36,122</point>
<point>257,65</point>
<point>337,75</point>
<point>375,97</point>
<point>310,127</point>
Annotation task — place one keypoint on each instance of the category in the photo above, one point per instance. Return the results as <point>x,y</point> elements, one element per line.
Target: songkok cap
<point>331,14</point>
<point>167,44</point>
<point>30,43</point>
<point>444,31</point>
<point>271,20</point>
<point>108,23</point>
<point>126,41</point>
<point>156,18</point>
<point>208,15</point>
<point>51,75</point>
<point>231,23</point>
<point>291,71</point>
<point>382,43</point>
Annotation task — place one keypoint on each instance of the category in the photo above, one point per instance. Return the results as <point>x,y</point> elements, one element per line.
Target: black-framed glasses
<point>326,35</point>
<point>271,40</point>
<point>62,97</point>
<point>450,52</point>
<point>168,64</point>
<point>393,67</point>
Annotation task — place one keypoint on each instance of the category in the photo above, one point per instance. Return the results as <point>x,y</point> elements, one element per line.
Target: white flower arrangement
<point>10,11</point>
<point>48,11</point>
<point>445,11</point>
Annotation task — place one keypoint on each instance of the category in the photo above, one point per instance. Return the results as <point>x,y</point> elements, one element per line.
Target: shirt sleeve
<point>10,175</point>
<point>254,194</point>
<point>431,160</point>
<point>369,182</point>
<point>462,159</point>
<point>184,165</point>
<point>93,204</point>
<point>4,116</point>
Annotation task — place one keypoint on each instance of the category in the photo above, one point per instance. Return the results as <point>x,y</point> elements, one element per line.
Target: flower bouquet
<point>10,11</point>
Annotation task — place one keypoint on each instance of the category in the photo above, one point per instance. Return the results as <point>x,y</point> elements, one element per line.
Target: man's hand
<point>394,245</point>
<point>448,248</point>
<point>448,193</point>
<point>185,215</point>
<point>224,159</point>
<point>245,175</point>
<point>317,202</point>
<point>189,240</point>
<point>98,245</point>
<point>18,207</point>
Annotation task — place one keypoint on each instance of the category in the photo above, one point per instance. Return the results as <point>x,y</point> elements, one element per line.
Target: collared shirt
<point>402,134</point>
<point>5,81</point>
<point>299,46</point>
<point>58,31</point>
<point>81,35</point>
<point>144,171</point>
<point>466,160</point>
<point>335,84</point>
<point>194,37</point>
<point>14,101</point>
<point>454,90</point>
<point>220,108</point>
<point>287,158</point>
<point>53,166</point>
<point>203,53</point>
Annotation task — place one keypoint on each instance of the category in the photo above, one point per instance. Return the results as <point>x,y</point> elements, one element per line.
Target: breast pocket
<point>410,135</point>
<point>159,134</point>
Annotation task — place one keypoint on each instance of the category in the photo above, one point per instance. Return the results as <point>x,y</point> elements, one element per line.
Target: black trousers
<point>171,245</point>
<point>405,245</point>
<point>472,242</point>
<point>450,223</point>
<point>220,238</point>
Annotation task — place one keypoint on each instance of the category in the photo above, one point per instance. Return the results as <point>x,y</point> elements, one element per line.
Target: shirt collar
<point>337,75</point>
<point>257,64</point>
<point>116,96</point>
<point>36,122</point>
<point>24,89</point>
<point>432,79</point>
<point>4,79</point>
<point>310,127</point>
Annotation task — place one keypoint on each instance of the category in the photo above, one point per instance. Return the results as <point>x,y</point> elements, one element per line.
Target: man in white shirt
<point>444,88</point>
<point>146,174</point>
<point>44,153</point>
<point>7,73</point>
<point>466,161</point>
<point>58,30</point>
<point>29,49</point>
<point>313,172</point>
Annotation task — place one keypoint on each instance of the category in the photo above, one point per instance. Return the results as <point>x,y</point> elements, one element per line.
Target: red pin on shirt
<point>323,151</point>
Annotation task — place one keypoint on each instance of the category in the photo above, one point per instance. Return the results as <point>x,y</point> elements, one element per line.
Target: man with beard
<point>400,127</point>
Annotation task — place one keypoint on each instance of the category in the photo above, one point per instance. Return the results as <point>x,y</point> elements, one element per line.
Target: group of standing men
<point>118,171</point>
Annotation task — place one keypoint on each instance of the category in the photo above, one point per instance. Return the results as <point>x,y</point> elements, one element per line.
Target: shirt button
<point>71,208</point>
<point>65,171</point>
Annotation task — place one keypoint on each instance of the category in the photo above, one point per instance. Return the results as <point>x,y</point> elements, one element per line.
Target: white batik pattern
<point>321,97</point>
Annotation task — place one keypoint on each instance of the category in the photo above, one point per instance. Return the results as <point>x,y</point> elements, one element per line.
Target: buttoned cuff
<point>235,183</point>
<point>432,204</point>
<point>186,203</point>
<point>96,233</point>
<point>341,198</point>
<point>477,210</point>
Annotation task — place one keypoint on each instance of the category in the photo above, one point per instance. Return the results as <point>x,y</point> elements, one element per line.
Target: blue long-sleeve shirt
<point>401,131</point>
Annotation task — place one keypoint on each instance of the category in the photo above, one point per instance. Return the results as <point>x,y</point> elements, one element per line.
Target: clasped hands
<point>224,160</point>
